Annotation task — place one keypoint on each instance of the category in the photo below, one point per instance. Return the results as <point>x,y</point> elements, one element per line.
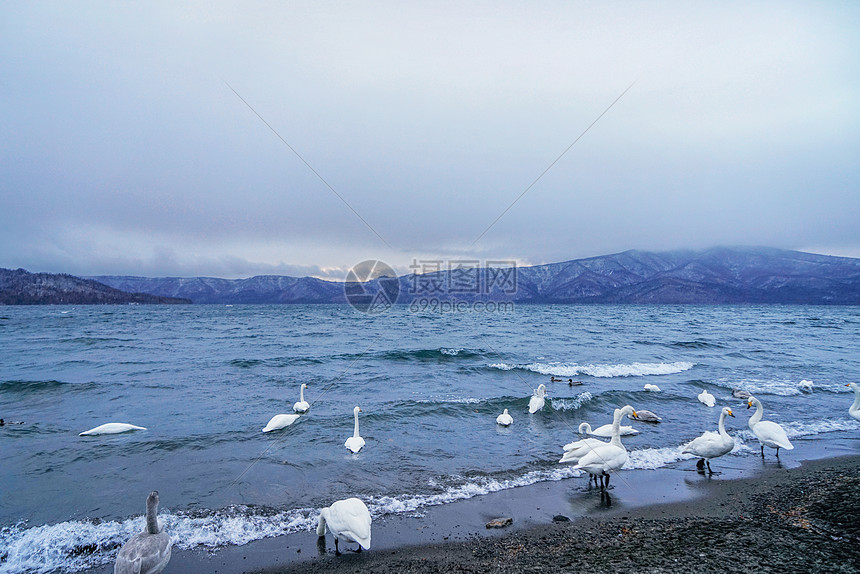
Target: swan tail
<point>321,525</point>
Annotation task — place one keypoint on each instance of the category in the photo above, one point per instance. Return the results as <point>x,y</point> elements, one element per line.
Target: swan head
<point>541,388</point>
<point>506,412</point>
<point>728,411</point>
<point>356,410</point>
<point>626,410</point>
<point>584,428</point>
<point>852,386</point>
<point>304,386</point>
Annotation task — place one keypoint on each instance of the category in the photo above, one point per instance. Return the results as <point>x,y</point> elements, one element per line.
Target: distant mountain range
<point>718,275</point>
<point>18,287</point>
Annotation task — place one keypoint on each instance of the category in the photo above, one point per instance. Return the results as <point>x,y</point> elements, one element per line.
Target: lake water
<point>205,379</point>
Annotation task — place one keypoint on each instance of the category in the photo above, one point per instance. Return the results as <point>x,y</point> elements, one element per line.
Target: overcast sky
<point>124,150</point>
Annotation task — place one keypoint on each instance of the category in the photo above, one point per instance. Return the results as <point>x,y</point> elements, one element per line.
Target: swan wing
<point>301,407</point>
<point>144,553</point>
<point>603,459</point>
<point>279,422</point>
<point>709,445</point>
<point>772,434</point>
<point>111,428</point>
<point>535,404</point>
<point>504,419</point>
<point>354,443</point>
<point>351,520</point>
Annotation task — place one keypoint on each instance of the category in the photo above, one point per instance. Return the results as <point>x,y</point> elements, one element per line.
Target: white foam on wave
<point>571,404</point>
<point>381,505</point>
<point>599,370</point>
<point>78,545</point>
<point>653,458</point>
<point>451,352</point>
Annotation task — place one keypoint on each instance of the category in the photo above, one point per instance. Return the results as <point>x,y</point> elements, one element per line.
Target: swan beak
<point>749,404</point>
<point>731,414</point>
<point>634,413</point>
<point>847,384</point>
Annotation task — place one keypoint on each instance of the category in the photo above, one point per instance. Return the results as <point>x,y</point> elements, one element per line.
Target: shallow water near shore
<point>205,379</point>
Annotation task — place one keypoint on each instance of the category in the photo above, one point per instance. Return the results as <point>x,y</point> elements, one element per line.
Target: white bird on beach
<point>111,428</point>
<point>302,406</point>
<point>574,451</point>
<point>606,430</point>
<point>504,419</point>
<point>608,458</point>
<point>147,552</point>
<point>355,442</point>
<point>646,416</point>
<point>537,401</point>
<point>707,398</point>
<point>768,433</point>
<point>652,388</point>
<point>712,444</point>
<point>854,410</point>
<point>348,519</point>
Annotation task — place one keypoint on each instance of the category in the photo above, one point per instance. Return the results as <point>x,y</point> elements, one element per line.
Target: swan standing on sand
<point>606,430</point>
<point>504,419</point>
<point>111,428</point>
<point>147,552</point>
<point>537,401</point>
<point>603,460</point>
<point>768,433</point>
<point>854,410</point>
<point>348,519</point>
<point>707,398</point>
<point>354,443</point>
<point>302,406</point>
<point>712,444</point>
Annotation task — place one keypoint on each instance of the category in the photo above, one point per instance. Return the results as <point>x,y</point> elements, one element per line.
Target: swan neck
<point>302,393</point>
<point>722,425</point>
<point>616,429</point>
<point>355,432</point>
<point>151,518</point>
<point>856,405</point>
<point>759,412</point>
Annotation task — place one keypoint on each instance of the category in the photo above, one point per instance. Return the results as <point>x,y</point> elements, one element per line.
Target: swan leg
<point>709,467</point>
<point>700,464</point>
<point>777,452</point>
<point>607,481</point>
<point>762,451</point>
<point>336,550</point>
<point>359,549</point>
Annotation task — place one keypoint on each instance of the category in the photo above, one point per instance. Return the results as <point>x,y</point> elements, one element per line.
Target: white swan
<point>768,433</point>
<point>603,460</point>
<point>537,401</point>
<point>707,398</point>
<point>302,406</point>
<point>504,419</point>
<point>652,388</point>
<point>854,410</point>
<point>574,451</point>
<point>278,422</point>
<point>712,444</point>
<point>355,442</point>
<point>606,430</point>
<point>147,552</point>
<point>348,519</point>
<point>111,428</point>
<point>646,416</point>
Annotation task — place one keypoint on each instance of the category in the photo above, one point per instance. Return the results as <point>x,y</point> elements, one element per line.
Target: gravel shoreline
<point>804,519</point>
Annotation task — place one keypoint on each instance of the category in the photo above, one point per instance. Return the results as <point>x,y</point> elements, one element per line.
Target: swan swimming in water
<point>302,406</point>
<point>111,428</point>
<point>740,394</point>
<point>712,444</point>
<point>278,422</point>
<point>768,433</point>
<point>608,458</point>
<point>348,519</point>
<point>652,388</point>
<point>147,552</point>
<point>854,410</point>
<point>504,419</point>
<point>707,398</point>
<point>537,401</point>
<point>355,442</point>
<point>646,416</point>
